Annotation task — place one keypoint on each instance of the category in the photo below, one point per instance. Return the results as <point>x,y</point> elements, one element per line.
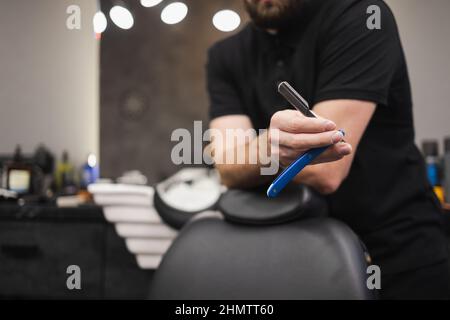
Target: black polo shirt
<point>330,53</point>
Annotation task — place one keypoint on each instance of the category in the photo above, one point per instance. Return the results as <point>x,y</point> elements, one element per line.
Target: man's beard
<point>273,14</point>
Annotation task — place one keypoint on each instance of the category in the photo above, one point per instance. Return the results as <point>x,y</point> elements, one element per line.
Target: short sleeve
<point>355,61</point>
<point>223,94</point>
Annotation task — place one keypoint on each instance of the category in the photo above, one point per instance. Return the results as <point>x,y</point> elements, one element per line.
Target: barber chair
<point>260,248</point>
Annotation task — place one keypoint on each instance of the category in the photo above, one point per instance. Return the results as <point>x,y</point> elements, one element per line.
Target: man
<point>355,76</point>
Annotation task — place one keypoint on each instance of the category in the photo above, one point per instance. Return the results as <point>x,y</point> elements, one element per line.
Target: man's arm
<point>351,115</point>
<point>294,131</point>
<point>233,174</point>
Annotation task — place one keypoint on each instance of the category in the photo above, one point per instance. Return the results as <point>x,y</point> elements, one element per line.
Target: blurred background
<point>121,94</point>
<point>92,90</point>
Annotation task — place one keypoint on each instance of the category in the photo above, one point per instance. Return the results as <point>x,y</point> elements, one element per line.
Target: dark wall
<point>152,82</point>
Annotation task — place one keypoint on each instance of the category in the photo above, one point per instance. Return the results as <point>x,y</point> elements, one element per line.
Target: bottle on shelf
<point>89,171</point>
<point>430,149</point>
<point>65,176</point>
<point>446,169</point>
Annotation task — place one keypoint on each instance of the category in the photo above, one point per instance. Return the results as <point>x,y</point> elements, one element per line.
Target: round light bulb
<point>174,13</point>
<point>99,22</point>
<point>150,3</point>
<point>121,17</point>
<point>226,20</point>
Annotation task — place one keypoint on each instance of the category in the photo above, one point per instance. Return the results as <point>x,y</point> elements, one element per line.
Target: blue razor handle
<point>292,170</point>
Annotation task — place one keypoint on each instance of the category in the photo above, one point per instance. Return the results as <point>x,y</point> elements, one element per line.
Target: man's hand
<point>291,134</point>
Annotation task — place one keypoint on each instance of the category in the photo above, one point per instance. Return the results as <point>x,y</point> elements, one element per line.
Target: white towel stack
<point>131,209</point>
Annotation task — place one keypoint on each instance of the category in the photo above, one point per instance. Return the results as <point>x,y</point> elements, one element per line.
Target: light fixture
<point>174,13</point>
<point>121,17</point>
<point>99,22</point>
<point>226,20</point>
<point>150,3</point>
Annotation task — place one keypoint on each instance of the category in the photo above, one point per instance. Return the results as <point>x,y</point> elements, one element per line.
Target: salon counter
<point>39,242</point>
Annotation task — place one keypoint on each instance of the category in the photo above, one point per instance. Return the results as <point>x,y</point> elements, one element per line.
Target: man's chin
<point>273,14</point>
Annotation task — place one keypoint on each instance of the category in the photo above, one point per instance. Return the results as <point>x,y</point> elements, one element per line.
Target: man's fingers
<point>294,122</point>
<point>291,134</point>
<point>333,153</point>
<point>305,141</point>
<point>337,151</point>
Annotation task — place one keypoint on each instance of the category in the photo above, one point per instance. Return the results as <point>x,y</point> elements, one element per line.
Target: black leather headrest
<point>314,259</point>
<point>254,207</point>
